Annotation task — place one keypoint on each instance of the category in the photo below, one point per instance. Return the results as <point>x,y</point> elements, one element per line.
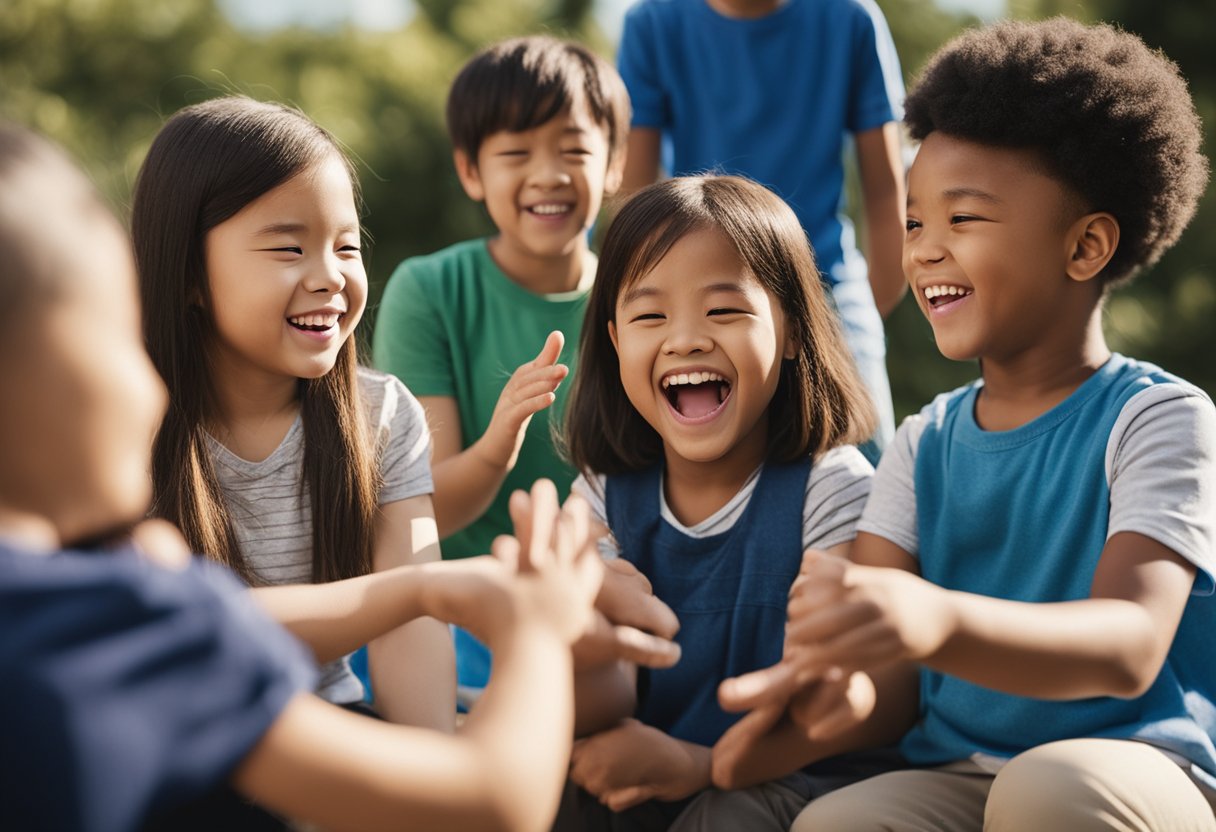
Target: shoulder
<point>386,400</point>
<point>648,13</point>
<point>842,464</point>
<point>463,260</point>
<point>936,414</point>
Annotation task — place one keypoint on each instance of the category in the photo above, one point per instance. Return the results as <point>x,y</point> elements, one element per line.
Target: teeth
<point>941,291</point>
<point>549,209</point>
<point>325,320</point>
<point>690,378</point>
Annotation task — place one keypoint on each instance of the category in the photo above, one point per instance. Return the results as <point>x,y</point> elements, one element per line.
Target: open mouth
<point>696,396</point>
<point>941,295</point>
<point>322,322</point>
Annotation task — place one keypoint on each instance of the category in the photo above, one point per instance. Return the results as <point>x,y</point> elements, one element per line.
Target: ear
<point>612,336</point>
<point>616,173</point>
<point>791,347</point>
<point>1094,238</point>
<point>469,176</point>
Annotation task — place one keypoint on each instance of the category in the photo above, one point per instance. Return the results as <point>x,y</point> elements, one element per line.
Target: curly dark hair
<point>1108,116</point>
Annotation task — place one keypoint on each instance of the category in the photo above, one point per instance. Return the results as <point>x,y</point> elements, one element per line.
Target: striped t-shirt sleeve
<point>401,436</point>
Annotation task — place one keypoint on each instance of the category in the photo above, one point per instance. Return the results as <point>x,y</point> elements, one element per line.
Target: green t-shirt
<point>452,324</point>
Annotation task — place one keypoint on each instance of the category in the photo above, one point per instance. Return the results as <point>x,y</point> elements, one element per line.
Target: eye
<point>288,249</point>
<point>911,224</point>
<point>957,218</point>
<point>350,248</point>
<point>647,316</point>
<point>577,151</point>
<point>512,154</point>
<point>725,310</point>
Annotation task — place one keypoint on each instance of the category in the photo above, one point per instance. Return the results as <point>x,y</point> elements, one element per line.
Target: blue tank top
<point>729,591</point>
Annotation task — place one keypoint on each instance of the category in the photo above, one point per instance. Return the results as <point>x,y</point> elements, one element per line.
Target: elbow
<point>1137,665</point>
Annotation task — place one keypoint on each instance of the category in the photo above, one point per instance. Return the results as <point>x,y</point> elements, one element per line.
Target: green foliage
<point>100,76</point>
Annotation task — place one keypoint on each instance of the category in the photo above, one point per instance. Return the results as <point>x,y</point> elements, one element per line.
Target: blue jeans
<point>863,332</point>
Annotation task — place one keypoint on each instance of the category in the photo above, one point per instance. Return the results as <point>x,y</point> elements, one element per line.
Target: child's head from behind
<point>538,127</point>
<point>708,334</point>
<point>247,242</point>
<point>82,400</point>
<point>1092,108</point>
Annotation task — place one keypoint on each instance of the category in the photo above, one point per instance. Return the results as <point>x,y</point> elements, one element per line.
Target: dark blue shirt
<point>126,688</point>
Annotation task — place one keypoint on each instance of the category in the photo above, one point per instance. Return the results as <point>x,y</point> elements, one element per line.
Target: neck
<point>544,275</point>
<point>745,10</point>
<point>1020,389</point>
<point>254,408</point>
<point>696,489</point>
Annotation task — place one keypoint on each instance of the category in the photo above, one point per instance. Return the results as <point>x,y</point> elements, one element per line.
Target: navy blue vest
<point>729,591</point>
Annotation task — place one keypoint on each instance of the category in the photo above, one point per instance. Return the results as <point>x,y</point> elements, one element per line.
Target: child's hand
<point>631,623</point>
<point>633,763</point>
<point>530,389</point>
<point>554,556</point>
<point>845,617</point>
<point>830,707</point>
<point>160,542</point>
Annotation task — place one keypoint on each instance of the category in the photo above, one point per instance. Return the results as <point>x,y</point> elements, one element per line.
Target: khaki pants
<point>1068,786</point>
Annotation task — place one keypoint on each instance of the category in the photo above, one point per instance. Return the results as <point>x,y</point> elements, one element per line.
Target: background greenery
<point>101,75</point>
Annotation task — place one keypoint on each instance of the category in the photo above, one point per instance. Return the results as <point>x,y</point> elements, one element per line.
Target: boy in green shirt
<point>538,128</point>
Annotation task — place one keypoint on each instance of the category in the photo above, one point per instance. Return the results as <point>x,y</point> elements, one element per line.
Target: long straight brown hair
<point>208,162</point>
<point>820,401</point>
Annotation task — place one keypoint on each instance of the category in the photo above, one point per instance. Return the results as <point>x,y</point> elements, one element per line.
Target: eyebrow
<point>276,228</point>
<point>639,292</point>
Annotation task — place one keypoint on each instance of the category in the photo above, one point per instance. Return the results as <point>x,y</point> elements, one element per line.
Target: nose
<point>325,276</point>
<point>549,171</point>
<point>923,249</point>
<point>687,338</point>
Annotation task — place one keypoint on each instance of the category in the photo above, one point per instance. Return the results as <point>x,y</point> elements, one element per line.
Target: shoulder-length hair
<point>819,402</point>
<point>208,162</point>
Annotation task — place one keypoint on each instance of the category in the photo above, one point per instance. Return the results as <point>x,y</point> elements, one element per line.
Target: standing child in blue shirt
<point>538,130</point>
<point>133,684</point>
<point>711,420</point>
<point>773,90</point>
<point>1051,528</point>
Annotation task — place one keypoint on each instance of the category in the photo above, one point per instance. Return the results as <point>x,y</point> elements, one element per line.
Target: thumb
<point>551,350</point>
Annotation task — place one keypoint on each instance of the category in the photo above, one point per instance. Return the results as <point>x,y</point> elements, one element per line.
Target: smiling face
<point>286,279</point>
<point>991,252</point>
<point>700,343</point>
<point>76,434</point>
<point>543,187</point>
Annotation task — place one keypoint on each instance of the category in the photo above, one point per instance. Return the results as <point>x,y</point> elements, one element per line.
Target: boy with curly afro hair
<point>1039,547</point>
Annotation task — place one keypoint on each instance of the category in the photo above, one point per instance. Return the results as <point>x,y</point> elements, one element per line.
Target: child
<point>130,687</point>
<point>538,128</point>
<point>711,417</point>
<point>279,456</point>
<point>772,89</point>
<point>1052,526</point>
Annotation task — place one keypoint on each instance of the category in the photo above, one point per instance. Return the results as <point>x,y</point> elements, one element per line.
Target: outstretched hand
<point>531,388</point>
<point>631,623</point>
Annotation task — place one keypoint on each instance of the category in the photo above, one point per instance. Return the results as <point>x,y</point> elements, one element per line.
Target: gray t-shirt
<point>836,491</point>
<point>270,507</point>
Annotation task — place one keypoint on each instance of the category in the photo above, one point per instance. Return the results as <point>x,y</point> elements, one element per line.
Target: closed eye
<point>647,316</point>
<point>726,310</point>
<point>355,249</point>
<point>290,249</point>
<point>957,218</point>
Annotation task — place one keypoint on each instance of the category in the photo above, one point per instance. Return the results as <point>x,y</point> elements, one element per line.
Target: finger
<point>633,645</point>
<point>534,383</point>
<point>577,514</point>
<point>552,349</point>
<point>519,506</point>
<point>751,727</point>
<point>628,797</point>
<point>539,551</point>
<point>627,570</point>
<point>761,687</point>
<point>822,625</point>
<point>506,549</point>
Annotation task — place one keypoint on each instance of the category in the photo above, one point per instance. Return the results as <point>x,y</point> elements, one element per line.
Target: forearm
<point>884,233</point>
<point>1072,650</point>
<point>413,672</point>
<point>466,484</point>
<point>336,618</point>
<point>603,696</point>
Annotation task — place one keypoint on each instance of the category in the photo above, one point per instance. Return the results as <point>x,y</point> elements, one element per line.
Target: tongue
<point>696,400</point>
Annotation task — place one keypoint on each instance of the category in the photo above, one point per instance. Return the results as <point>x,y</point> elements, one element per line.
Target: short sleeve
<point>637,61</point>
<point>836,493</point>
<point>877,92</point>
<point>891,510</point>
<point>593,489</point>
<point>129,688</point>
<point>1161,466</point>
<point>410,340</point>
<point>403,439</point>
